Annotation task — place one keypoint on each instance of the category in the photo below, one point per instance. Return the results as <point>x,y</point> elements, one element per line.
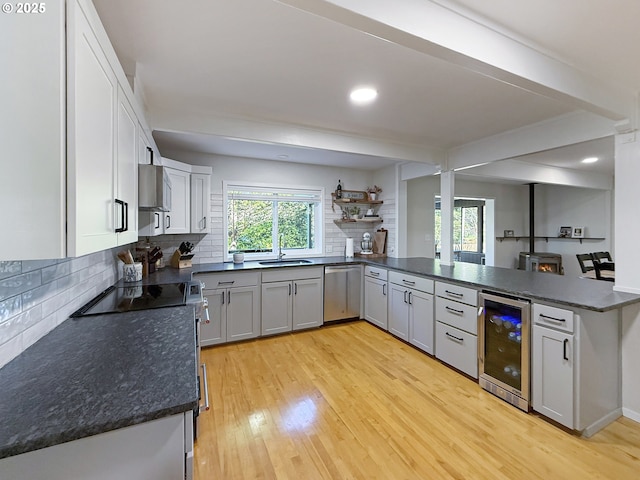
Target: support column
<point>626,217</point>
<point>447,187</point>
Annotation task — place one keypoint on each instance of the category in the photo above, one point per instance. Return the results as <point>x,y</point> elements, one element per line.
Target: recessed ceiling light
<point>363,95</point>
<point>590,160</point>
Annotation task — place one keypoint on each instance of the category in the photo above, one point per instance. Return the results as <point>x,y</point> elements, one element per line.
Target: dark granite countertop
<point>577,292</point>
<point>99,373</point>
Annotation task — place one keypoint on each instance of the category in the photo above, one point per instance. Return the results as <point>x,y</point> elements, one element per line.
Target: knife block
<point>179,261</point>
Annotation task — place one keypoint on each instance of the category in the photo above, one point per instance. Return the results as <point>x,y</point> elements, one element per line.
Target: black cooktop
<point>117,299</point>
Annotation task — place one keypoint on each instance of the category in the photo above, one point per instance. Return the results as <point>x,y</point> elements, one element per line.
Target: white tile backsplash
<point>36,296</point>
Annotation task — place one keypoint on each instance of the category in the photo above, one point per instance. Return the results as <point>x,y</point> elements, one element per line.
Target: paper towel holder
<point>348,249</point>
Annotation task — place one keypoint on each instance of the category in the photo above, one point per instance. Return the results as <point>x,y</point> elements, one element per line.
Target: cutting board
<point>380,241</point>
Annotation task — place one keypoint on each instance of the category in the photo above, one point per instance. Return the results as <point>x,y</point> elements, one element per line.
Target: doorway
<point>472,218</point>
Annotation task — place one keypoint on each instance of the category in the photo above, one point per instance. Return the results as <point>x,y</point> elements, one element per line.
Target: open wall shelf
<point>548,237</point>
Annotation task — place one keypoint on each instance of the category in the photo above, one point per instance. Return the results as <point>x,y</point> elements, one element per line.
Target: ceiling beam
<point>554,133</point>
<point>434,29</point>
<point>515,170</point>
<point>286,134</point>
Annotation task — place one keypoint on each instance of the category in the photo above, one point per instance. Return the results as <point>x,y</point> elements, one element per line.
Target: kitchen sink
<point>284,262</point>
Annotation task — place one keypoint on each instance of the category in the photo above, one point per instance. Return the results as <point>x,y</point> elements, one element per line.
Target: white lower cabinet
<point>457,327</point>
<point>157,450</point>
<point>575,366</point>
<point>411,309</point>
<point>375,296</point>
<point>292,299</point>
<point>457,348</point>
<point>553,374</point>
<point>234,307</point>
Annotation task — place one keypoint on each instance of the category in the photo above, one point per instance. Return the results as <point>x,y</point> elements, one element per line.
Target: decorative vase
<point>373,196</point>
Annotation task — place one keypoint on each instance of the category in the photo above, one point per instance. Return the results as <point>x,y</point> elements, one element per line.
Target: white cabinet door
<point>178,220</point>
<point>214,330</point>
<point>277,307</point>
<point>92,95</point>
<point>33,134</point>
<point>375,301</point>
<point>307,303</point>
<point>421,327</point>
<point>200,201</point>
<point>552,375</point>
<point>399,311</point>
<point>126,171</point>
<point>243,313</point>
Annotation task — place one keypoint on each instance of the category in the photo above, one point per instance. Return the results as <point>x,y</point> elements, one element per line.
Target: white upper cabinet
<point>200,200</point>
<point>69,130</point>
<point>32,134</point>
<point>91,166</point>
<point>178,220</point>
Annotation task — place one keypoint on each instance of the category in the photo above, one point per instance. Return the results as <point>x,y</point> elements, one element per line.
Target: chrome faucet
<point>280,254</point>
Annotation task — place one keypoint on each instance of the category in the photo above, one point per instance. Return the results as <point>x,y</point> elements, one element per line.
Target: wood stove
<point>541,262</point>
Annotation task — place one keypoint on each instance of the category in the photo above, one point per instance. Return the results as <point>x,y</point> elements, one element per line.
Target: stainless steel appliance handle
<point>206,406</point>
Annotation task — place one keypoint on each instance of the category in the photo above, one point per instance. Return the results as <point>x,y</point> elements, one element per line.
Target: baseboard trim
<point>628,413</point>
<point>601,423</point>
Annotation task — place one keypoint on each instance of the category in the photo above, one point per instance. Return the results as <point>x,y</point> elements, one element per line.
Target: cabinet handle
<point>157,219</point>
<point>453,310</point>
<point>408,282</point>
<point>126,216</point>
<point>230,282</point>
<point>404,295</point>
<point>150,150</point>
<point>457,339</point>
<point>564,349</point>
<point>204,219</point>
<point>542,315</point>
<point>410,298</point>
<point>228,297</point>
<point>168,221</point>
<point>384,289</point>
<point>222,298</point>
<point>121,203</point>
<point>289,289</point>
<point>374,274</point>
<point>454,294</point>
<point>295,288</point>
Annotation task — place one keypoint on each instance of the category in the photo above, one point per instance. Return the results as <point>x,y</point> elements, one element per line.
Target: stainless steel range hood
<point>154,188</point>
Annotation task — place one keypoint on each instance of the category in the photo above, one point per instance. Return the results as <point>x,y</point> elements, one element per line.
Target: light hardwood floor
<point>351,402</point>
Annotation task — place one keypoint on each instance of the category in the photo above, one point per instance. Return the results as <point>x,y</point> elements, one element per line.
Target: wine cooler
<point>504,331</point>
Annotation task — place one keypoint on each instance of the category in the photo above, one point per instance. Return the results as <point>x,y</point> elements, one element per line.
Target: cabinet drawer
<point>459,315</point>
<point>457,348</point>
<point>375,272</point>
<point>295,273</point>
<point>553,317</point>
<point>411,281</point>
<point>228,280</point>
<point>457,293</point>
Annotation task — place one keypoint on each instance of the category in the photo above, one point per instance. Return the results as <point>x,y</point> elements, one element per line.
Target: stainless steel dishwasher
<point>342,292</point>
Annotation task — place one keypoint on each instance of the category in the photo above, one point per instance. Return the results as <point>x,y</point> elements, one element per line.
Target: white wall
<point>555,206</point>
<point>510,207</point>
<point>210,248</point>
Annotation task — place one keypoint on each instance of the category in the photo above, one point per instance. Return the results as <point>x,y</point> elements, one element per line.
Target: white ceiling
<point>269,63</point>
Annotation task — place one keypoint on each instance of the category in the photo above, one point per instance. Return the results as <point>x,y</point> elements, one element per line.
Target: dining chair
<point>583,259</point>
<point>602,263</point>
<point>601,256</point>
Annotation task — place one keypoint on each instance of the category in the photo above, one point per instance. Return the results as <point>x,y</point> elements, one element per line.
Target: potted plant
<point>354,212</point>
<point>373,192</point>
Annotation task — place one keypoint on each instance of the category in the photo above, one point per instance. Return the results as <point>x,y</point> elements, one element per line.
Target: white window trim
<point>320,244</point>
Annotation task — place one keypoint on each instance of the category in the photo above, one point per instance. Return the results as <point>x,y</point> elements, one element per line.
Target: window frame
<point>273,254</point>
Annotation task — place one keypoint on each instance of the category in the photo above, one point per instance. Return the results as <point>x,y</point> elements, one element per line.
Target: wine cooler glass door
<point>505,343</point>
